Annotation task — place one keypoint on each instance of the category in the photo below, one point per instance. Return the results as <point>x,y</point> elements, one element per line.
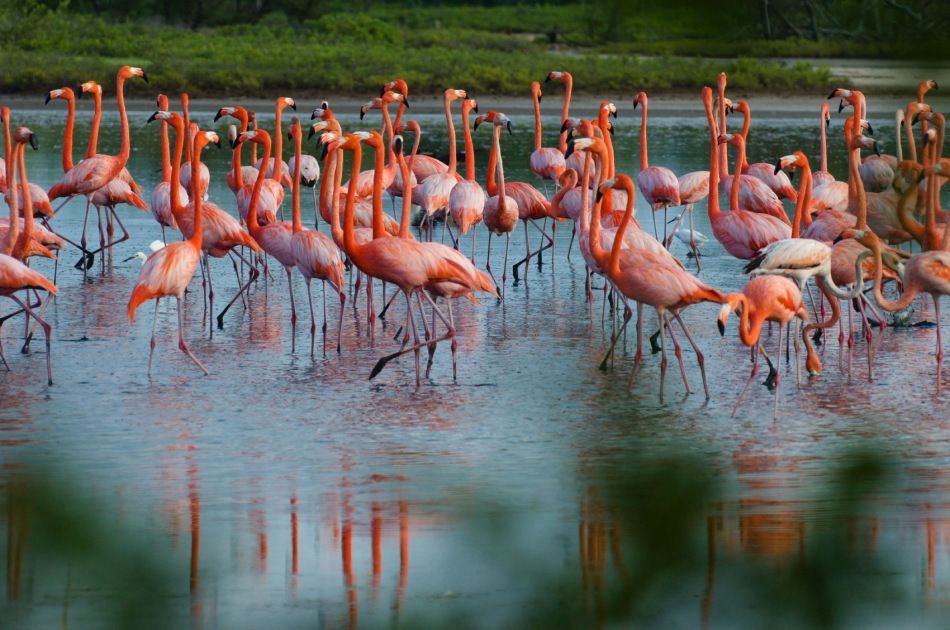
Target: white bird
<point>683,236</point>
<point>154,246</point>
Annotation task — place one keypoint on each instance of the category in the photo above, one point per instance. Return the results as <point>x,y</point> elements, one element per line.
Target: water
<point>289,489</point>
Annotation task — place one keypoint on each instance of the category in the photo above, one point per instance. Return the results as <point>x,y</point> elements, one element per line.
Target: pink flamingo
<point>95,172</point>
<point>169,270</point>
<point>501,212</point>
<point>315,255</point>
<point>91,87</point>
<point>467,199</point>
<point>248,172</point>
<point>283,176</point>
<point>161,197</point>
<point>546,162</point>
<point>658,184</point>
<point>434,190</point>
<point>741,233</point>
<point>779,183</point>
<point>204,177</point>
<point>764,299</point>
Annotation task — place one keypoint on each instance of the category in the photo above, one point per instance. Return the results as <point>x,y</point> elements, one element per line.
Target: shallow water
<point>289,489</point>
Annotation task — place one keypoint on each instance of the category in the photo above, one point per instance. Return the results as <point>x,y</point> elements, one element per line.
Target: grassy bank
<point>495,50</point>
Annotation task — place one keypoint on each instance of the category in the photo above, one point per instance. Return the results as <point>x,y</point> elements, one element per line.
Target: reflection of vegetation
<point>483,49</point>
<point>653,542</point>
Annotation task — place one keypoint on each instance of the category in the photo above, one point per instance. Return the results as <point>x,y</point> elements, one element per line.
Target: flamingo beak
<point>293,106</point>
<point>475,108</point>
<point>48,99</point>
<point>151,118</point>
<point>510,132</point>
<point>832,95</point>
<point>565,126</point>
<point>539,98</point>
<point>547,78</point>
<point>79,93</point>
<point>323,150</point>
<point>877,151</point>
<point>778,167</point>
<point>722,327</point>
<point>791,176</point>
<point>144,76</point>
<point>311,134</point>
<point>570,149</point>
<point>827,123</point>
<point>841,105</point>
<point>362,113</point>
<point>870,130</point>
<point>33,142</point>
<point>405,100</point>
<point>614,114</point>
<point>218,116</point>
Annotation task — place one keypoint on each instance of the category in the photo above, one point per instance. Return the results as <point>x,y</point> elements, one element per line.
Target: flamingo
<point>741,233</point>
<point>568,80</point>
<point>274,238</point>
<point>364,183</point>
<point>400,86</point>
<point>654,278</point>
<point>161,197</point>
<point>204,177</point>
<point>248,172</point>
<point>309,174</point>
<point>14,274</point>
<point>467,199</point>
<point>764,298</point>
<point>434,190</point>
<point>168,271</point>
<point>91,87</point>
<point>314,253</point>
<point>658,184</point>
<point>283,176</point>
<point>28,243</point>
<point>501,212</point>
<point>546,162</point>
<point>827,192</point>
<point>407,264</point>
<point>532,205</point>
<point>693,187</point>
<point>93,173</point>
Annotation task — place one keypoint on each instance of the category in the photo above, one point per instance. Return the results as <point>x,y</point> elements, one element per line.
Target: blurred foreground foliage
<point>335,50</point>
<point>647,550</point>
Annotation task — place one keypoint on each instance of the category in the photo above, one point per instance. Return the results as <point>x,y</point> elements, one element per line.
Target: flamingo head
<point>323,112</point>
<point>127,72</point>
<point>924,87</point>
<point>330,141</point>
<point>856,234</point>
<point>928,115</point>
<point>595,145</point>
<point>706,96</point>
<point>370,138</point>
<point>294,132</point>
<point>568,123</point>
<point>558,75</point>
<point>732,303</point>
<point>640,99</point>
<point>224,111</point>
<point>204,138</point>
<point>452,94</point>
<point>721,82</point>
<point>470,104</point>
<point>284,102</point>
<point>396,85</point>
<point>610,109</point>
<point>739,106</point>
<point>395,97</point>
<point>793,161</point>
<point>24,135</point>
<point>734,139</point>
<point>397,144</point>
<point>64,93</point>
<point>865,142</point>
<point>568,179</point>
<point>825,113</point>
<point>321,126</point>
<point>172,118</point>
<point>259,136</point>
<point>90,87</point>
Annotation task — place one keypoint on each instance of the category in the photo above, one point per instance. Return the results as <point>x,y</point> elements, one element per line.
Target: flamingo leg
<point>446,226</point>
<point>528,252</point>
<point>627,314</point>
<point>339,326</point>
<point>252,276</point>
<point>504,267</point>
<point>936,299</point>
<point>151,343</point>
<point>663,361</point>
<point>87,259</point>
<point>47,331</point>
<point>488,264</point>
<point>700,358</point>
<point>692,239</point>
<point>210,299</point>
<point>313,322</point>
<point>181,339</point>
<point>678,351</point>
<point>755,370</point>
<point>473,244</point>
<point>237,274</point>
<point>570,243</point>
<point>450,333</point>
<point>382,313</point>
<point>415,337</point>
<point>293,309</point>
<point>454,345</point>
<point>316,211</point>
<point>777,375</point>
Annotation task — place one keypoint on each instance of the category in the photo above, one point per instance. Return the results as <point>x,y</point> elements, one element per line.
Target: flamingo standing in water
<point>283,173</point>
<point>248,172</point>
<point>778,183</point>
<point>763,299</point>
<point>658,184</point>
<point>467,200</point>
<point>546,162</point>
<point>434,190</point>
<point>161,197</point>
<point>168,271</point>
<point>95,172</point>
<point>91,87</point>
<point>204,177</point>
<point>577,161</point>
<point>315,255</point>
<point>14,274</point>
<point>28,243</point>
<point>741,233</point>
<point>501,211</point>
<point>827,193</point>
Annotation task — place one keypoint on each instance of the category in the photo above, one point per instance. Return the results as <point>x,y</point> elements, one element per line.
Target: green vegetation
<point>333,48</point>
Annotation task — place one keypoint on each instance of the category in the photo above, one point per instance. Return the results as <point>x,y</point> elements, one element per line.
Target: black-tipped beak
<point>311,134</point>
<point>614,114</point>
<point>218,116</point>
<point>832,95</point>
<point>839,238</point>
<point>599,196</point>
<point>323,152</point>
<point>293,106</point>
<point>565,126</point>
<point>217,143</point>
<point>611,129</point>
<point>79,93</point>
<point>791,176</point>
<point>914,119</point>
<point>877,151</point>
<point>827,123</point>
<point>935,86</point>
<point>539,98</point>
<point>722,328</point>
<point>144,76</point>
<point>362,113</point>
<point>382,91</point>
<point>151,118</point>
<point>406,101</point>
<point>34,142</point>
<point>547,78</point>
<point>870,130</point>
<point>778,167</point>
<point>508,125</point>
<point>570,149</point>
<point>48,99</point>
<point>635,104</point>
<point>475,108</point>
<point>840,106</point>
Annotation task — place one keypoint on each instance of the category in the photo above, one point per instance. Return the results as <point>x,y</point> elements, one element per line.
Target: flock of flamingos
<point>842,233</point>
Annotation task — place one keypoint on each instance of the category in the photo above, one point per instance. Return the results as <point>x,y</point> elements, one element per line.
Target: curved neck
<point>618,238</point>
<point>406,175</point>
<point>823,165</point>
<point>713,203</point>
<point>325,190</point>
<point>336,229</point>
<point>910,290</point>
<point>11,160</point>
<point>450,124</point>
<point>909,131</point>
<point>597,250</point>
<point>537,122</point>
<point>746,122</point>
<point>898,117</point>
<point>196,201</point>
<point>801,206</point>
<point>125,147</point>
<point>750,328</point>
<point>566,111</point>
<point>295,181</point>
<point>93,144</point>
<point>908,222</point>
<point>502,200</point>
<point>469,146</point>
<point>252,225</point>
<point>644,156</point>
<point>561,193</point>
<point>388,132</point>
<point>736,178</point>
<point>378,167</point>
<point>166,154</point>
<point>68,134</point>
<point>349,237</point>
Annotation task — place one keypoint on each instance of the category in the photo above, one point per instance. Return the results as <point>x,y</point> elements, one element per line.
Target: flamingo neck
<point>614,265</point>
<point>328,174</point>
<point>349,236</point>
<point>68,134</point>
<point>908,222</point>
<point>389,131</point>
<point>166,153</point>
<point>537,123</point>
<point>909,132</point>
<point>898,117</point>
<point>11,160</point>
<point>93,144</point>
<point>187,117</point>
<point>746,123</point>
<point>492,165</point>
<point>252,225</point>
<point>406,175</point>
<point>337,172</point>
<point>857,197</point>
<point>604,124</point>
<point>502,199</point>
<point>174,190</point>
<point>823,165</point>
<point>566,111</point>
<point>910,289</point>
<point>450,124</point>
<point>713,203</point>
<point>736,178</point>
<point>196,201</point>
<point>278,168</point>
<point>378,226</point>
<point>125,146</point>
<point>723,151</point>
<point>415,148</point>
<point>644,156</point>
<point>801,207</point>
<point>750,328</point>
<point>27,199</point>
<point>597,250</point>
<point>295,184</point>
<point>469,146</point>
